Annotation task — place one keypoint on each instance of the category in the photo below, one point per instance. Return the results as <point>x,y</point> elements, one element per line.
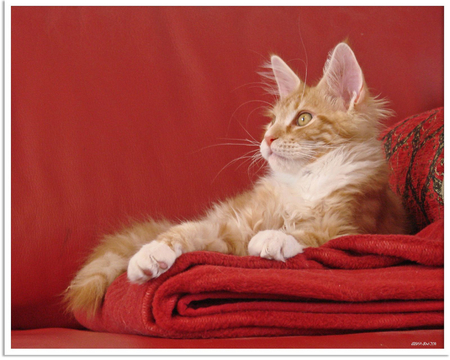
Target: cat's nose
<point>269,139</point>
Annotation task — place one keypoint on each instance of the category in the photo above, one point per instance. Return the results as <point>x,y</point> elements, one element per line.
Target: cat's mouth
<point>269,154</point>
<point>276,156</point>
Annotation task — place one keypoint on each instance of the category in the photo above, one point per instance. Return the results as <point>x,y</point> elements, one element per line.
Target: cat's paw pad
<point>274,244</point>
<point>150,261</point>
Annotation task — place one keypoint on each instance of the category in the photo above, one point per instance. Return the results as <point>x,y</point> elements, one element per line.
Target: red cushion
<point>415,150</point>
<point>350,284</point>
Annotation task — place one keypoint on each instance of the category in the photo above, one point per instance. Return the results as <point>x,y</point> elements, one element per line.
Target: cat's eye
<point>303,119</point>
<point>272,122</point>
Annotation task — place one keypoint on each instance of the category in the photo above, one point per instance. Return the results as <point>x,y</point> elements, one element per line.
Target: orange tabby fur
<point>327,179</point>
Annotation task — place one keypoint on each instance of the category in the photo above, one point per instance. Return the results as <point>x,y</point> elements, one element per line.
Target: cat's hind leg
<point>109,260</point>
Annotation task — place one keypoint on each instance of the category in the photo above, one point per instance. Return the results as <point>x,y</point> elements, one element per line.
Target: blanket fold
<point>350,284</point>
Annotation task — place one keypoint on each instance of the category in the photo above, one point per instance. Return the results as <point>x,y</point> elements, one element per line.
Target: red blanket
<point>353,283</point>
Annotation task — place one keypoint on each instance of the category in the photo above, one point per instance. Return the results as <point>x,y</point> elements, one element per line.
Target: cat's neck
<point>338,168</point>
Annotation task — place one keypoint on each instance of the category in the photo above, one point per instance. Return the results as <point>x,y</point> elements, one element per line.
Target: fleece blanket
<point>351,284</point>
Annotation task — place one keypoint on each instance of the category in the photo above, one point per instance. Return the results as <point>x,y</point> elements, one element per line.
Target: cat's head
<point>308,122</point>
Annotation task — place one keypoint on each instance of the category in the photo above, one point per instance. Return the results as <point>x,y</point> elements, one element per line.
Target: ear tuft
<point>286,79</point>
<point>343,76</point>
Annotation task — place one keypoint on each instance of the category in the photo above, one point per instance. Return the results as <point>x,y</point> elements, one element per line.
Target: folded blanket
<point>351,284</point>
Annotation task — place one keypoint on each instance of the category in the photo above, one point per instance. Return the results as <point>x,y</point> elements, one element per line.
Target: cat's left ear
<point>286,79</point>
<point>343,76</point>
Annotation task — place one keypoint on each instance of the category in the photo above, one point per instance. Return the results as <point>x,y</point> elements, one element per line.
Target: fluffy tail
<point>110,259</point>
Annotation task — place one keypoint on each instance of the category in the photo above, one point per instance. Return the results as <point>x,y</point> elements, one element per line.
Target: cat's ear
<point>286,79</point>
<point>343,76</point>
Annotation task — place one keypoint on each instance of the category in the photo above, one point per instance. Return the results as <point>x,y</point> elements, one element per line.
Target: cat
<point>327,177</point>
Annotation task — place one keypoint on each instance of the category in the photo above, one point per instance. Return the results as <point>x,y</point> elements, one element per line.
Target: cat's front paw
<point>274,244</point>
<point>150,261</point>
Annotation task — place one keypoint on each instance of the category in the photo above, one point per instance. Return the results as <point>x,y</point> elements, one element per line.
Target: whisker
<point>256,158</point>
<point>263,163</point>
<point>244,157</point>
<point>251,112</point>
<point>227,144</point>
<point>248,133</point>
<point>245,103</point>
<point>254,84</point>
<point>306,58</point>
<point>246,140</point>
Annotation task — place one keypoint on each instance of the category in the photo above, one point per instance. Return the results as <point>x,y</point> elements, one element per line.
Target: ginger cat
<point>327,178</point>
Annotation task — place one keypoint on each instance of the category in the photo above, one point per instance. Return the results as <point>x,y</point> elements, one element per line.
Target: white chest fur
<point>312,185</point>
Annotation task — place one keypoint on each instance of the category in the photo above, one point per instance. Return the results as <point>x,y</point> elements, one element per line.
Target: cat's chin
<point>270,156</point>
<point>280,164</point>
<point>277,157</point>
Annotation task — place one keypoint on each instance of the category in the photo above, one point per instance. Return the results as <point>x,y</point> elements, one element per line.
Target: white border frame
<point>154,352</point>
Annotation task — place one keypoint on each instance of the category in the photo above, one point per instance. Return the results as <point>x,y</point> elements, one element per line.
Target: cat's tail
<point>110,259</point>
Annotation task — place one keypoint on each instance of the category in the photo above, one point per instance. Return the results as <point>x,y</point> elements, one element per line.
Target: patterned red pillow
<point>415,150</point>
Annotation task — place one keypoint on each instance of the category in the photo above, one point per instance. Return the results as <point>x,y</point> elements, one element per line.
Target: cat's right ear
<point>286,79</point>
<point>343,77</point>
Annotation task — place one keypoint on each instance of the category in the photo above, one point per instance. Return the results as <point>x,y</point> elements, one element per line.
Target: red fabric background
<point>113,110</point>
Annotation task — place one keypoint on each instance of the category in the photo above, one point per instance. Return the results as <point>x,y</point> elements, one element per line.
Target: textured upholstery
<point>415,150</point>
<point>116,114</point>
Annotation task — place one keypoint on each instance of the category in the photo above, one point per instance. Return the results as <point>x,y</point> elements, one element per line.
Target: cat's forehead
<point>288,107</point>
<point>303,100</point>
<point>286,113</point>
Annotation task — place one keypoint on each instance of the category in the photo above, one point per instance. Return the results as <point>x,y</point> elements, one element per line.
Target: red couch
<point>116,114</point>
